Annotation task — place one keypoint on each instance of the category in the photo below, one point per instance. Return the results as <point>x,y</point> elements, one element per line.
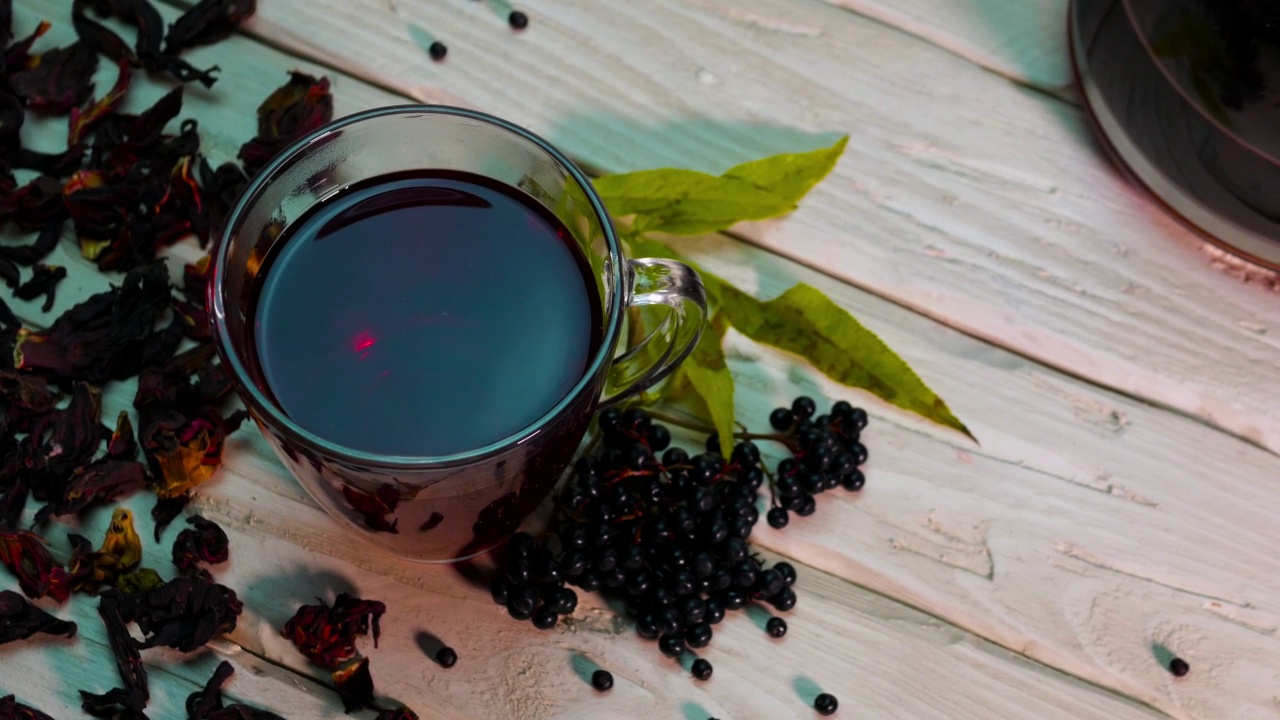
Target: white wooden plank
<point>1029,484</point>
<point>963,197</point>
<point>1024,40</point>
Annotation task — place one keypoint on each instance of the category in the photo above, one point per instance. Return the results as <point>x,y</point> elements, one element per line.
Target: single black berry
<point>499,589</point>
<point>853,481</point>
<point>715,611</point>
<point>698,635</point>
<point>671,645</point>
<point>447,657</point>
<point>1179,667</point>
<point>602,680</point>
<point>784,600</point>
<point>545,618</point>
<point>776,627</point>
<point>804,407</point>
<point>782,419</point>
<point>701,669</point>
<point>438,50</point>
<point>518,20</point>
<point>777,517</point>
<point>787,571</point>
<point>826,704</point>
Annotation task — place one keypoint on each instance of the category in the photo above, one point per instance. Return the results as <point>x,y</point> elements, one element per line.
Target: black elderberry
<point>733,550</point>
<point>787,571</point>
<point>769,583</point>
<point>859,452</point>
<point>745,572</point>
<point>693,608</point>
<point>671,645</point>
<point>438,50</point>
<point>615,578</point>
<point>782,419</point>
<point>602,680</point>
<point>632,558</point>
<point>784,600</point>
<point>853,481</point>
<point>674,456</point>
<point>646,626</point>
<point>776,627</point>
<point>787,485</point>
<point>804,407</point>
<point>745,454</point>
<point>698,635</point>
<point>518,612</point>
<point>659,438</point>
<point>573,563</point>
<point>701,669</point>
<point>825,704</point>
<point>521,600</point>
<point>588,581</point>
<point>721,579</point>
<point>702,564</point>
<point>563,601</point>
<point>715,611</point>
<point>778,518</point>
<point>806,505</point>
<point>668,621</point>
<point>447,657</point>
<point>499,588</point>
<point>545,618</point>
<point>1179,667</point>
<point>858,418</point>
<point>733,599</point>
<point>842,409</point>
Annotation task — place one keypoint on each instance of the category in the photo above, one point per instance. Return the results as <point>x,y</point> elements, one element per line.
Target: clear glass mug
<point>450,507</point>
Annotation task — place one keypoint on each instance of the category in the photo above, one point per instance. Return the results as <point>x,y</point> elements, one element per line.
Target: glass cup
<point>450,507</point>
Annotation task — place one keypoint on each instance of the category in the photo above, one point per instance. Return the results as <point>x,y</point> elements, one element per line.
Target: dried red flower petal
<point>184,613</point>
<point>57,80</point>
<point>122,445</point>
<point>207,704</point>
<point>35,204</point>
<point>146,19</point>
<point>43,281</point>
<point>62,441</point>
<point>375,507</point>
<point>11,709</point>
<point>20,620</point>
<point>26,556</point>
<point>26,398</point>
<point>128,701</point>
<point>204,542</point>
<point>326,635</point>
<point>354,685</point>
<point>110,336</point>
<point>82,121</point>
<point>293,110</point>
<point>98,482</point>
<point>44,243</point>
<point>207,22</point>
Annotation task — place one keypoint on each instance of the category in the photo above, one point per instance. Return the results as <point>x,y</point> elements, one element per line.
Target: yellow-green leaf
<point>688,202</point>
<point>806,322</point>
<point>709,377</point>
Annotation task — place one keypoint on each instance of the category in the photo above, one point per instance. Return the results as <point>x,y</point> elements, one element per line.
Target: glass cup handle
<point>655,281</point>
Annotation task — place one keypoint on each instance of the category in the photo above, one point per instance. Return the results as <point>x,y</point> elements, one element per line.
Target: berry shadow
<point>286,592</point>
<point>1162,654</point>
<point>421,37</point>
<point>501,8</point>
<point>806,689</point>
<point>694,711</point>
<point>583,666</point>
<point>429,643</point>
<point>759,615</point>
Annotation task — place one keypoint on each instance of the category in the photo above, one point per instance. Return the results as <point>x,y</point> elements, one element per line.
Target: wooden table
<point>1122,507</point>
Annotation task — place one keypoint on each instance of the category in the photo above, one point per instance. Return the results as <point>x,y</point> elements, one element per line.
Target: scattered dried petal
<point>44,281</point>
<point>184,613</point>
<point>130,700</point>
<point>11,709</point>
<point>375,507</point>
<point>26,556</point>
<point>293,110</point>
<point>207,22</point>
<point>326,635</point>
<point>206,704</point>
<point>57,80</point>
<point>204,542</point>
<point>354,685</point>
<point>20,620</point>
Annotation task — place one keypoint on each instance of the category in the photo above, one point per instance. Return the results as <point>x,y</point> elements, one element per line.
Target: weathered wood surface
<point>1090,533</point>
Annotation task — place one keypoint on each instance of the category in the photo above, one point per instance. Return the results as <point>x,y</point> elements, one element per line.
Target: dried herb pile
<point>126,187</point>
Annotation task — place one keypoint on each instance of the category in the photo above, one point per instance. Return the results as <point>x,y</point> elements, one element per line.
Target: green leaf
<point>709,377</point>
<point>806,322</point>
<point>688,202</point>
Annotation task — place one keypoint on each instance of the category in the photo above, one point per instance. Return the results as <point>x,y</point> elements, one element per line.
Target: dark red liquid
<point>424,314</point>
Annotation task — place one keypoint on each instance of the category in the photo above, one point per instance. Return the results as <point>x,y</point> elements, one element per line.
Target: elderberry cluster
<point>666,532</point>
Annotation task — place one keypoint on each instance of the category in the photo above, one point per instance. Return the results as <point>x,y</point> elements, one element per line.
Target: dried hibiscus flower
<point>203,542</point>
<point>11,709</point>
<point>326,635</point>
<point>130,700</point>
<point>293,110</point>
<point>56,80</point>
<point>20,620</point>
<point>142,15</point>
<point>207,704</point>
<point>375,507</point>
<point>110,336</point>
<point>208,21</point>
<point>121,552</point>
<point>354,685</point>
<point>26,556</point>
<point>184,613</point>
